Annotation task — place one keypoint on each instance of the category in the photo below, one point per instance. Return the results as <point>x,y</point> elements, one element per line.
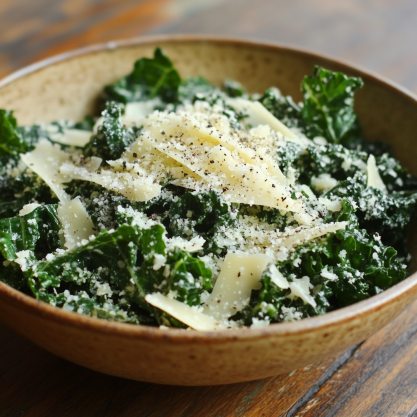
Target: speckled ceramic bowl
<point>67,86</point>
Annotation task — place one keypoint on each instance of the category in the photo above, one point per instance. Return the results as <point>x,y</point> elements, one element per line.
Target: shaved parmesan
<point>240,274</point>
<point>75,222</point>
<point>45,161</point>
<point>331,205</point>
<point>93,164</point>
<point>374,179</point>
<point>28,208</point>
<point>259,115</point>
<point>136,112</point>
<point>72,137</point>
<point>277,278</point>
<point>22,258</point>
<point>183,312</point>
<point>301,288</point>
<point>222,164</point>
<point>323,182</point>
<point>302,235</point>
<point>135,188</point>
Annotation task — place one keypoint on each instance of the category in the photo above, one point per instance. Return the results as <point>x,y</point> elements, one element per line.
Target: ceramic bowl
<point>67,87</point>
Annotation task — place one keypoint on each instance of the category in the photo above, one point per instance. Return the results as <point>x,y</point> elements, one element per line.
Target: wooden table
<point>375,378</point>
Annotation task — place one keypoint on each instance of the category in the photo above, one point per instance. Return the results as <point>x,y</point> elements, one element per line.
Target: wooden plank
<point>36,383</point>
<point>377,375</point>
<point>379,379</point>
<point>376,35</point>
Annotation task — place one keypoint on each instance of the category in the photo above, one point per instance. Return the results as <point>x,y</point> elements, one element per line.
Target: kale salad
<point>187,205</point>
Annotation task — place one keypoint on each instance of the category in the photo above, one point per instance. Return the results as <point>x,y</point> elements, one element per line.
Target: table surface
<point>374,378</point>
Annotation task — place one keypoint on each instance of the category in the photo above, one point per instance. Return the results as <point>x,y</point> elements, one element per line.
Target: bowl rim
<point>178,336</point>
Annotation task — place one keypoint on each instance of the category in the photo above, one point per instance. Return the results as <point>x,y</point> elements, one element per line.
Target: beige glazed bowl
<point>66,87</point>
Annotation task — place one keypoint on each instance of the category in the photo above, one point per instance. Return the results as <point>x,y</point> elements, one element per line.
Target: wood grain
<point>376,378</point>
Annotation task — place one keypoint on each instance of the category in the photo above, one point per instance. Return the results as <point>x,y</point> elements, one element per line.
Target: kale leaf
<point>378,212</point>
<point>36,233</point>
<point>191,87</point>
<point>343,268</point>
<point>11,144</point>
<point>233,88</point>
<point>151,77</point>
<point>283,108</point>
<point>328,104</point>
<point>112,137</point>
<point>115,269</point>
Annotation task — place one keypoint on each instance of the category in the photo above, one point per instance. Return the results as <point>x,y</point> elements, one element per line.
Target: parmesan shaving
<point>240,274</point>
<point>259,115</point>
<point>45,161</point>
<point>28,208</point>
<point>72,137</point>
<point>374,179</point>
<point>135,188</point>
<point>277,278</point>
<point>183,312</point>
<point>301,288</point>
<point>75,222</point>
<point>221,163</point>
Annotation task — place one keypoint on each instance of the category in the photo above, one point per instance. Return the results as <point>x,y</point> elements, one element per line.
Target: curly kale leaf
<point>378,212</point>
<point>15,192</point>
<point>328,104</point>
<point>287,155</point>
<point>36,233</point>
<point>117,269</point>
<point>11,144</point>
<point>112,137</point>
<point>234,88</point>
<point>343,268</point>
<point>332,159</point>
<point>205,214</point>
<point>283,108</point>
<point>151,77</point>
<point>192,87</point>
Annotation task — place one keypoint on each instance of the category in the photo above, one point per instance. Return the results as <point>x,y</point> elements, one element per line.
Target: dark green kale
<point>233,88</point>
<point>333,159</point>
<point>387,214</point>
<point>343,268</point>
<point>112,137</point>
<point>151,77</point>
<point>36,232</point>
<point>283,108</point>
<point>115,269</point>
<point>25,188</point>
<point>328,104</point>
<point>394,175</point>
<point>287,154</point>
<point>191,87</point>
<point>205,214</point>
<point>11,144</point>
